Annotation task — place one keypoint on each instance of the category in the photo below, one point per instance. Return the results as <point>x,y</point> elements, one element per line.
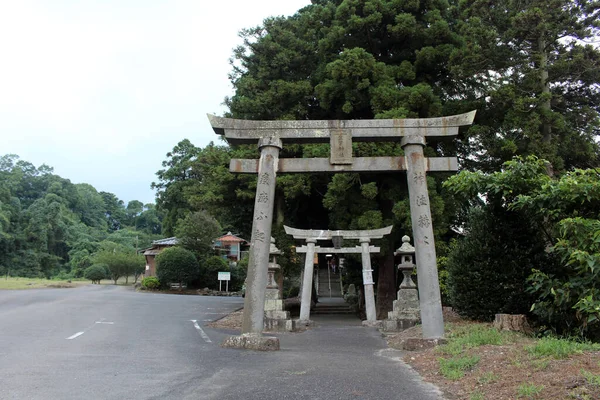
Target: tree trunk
<point>509,322</point>
<point>280,207</point>
<point>545,87</point>
<point>386,283</point>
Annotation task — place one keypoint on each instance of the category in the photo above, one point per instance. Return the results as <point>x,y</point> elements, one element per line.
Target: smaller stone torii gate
<point>312,236</point>
<point>270,137</point>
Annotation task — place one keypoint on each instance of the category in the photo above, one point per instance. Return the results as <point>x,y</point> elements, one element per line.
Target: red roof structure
<point>231,245</point>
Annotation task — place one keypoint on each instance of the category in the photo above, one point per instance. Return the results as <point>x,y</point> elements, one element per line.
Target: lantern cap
<point>273,249</point>
<point>406,248</point>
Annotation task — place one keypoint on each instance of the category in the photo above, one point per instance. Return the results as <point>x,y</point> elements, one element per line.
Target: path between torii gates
<point>336,359</point>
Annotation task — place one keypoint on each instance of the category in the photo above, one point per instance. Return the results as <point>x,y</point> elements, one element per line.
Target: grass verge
<point>480,362</point>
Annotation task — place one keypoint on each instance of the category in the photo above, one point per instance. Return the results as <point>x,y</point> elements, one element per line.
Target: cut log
<point>510,322</point>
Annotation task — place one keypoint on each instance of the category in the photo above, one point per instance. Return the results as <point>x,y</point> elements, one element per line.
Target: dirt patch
<point>507,371</point>
<point>232,321</point>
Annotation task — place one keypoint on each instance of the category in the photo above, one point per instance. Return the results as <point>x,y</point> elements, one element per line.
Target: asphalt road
<point>109,342</point>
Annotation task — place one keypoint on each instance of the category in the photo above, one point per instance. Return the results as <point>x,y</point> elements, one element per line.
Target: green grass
<point>455,367</point>
<point>591,379</point>
<point>15,283</point>
<point>476,396</point>
<point>559,348</point>
<point>29,283</point>
<point>471,336</point>
<point>529,391</point>
<point>541,364</point>
<point>488,377</point>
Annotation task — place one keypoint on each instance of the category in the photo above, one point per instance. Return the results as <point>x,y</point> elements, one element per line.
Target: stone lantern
<point>276,319</point>
<point>273,266</point>
<point>406,255</point>
<point>406,311</point>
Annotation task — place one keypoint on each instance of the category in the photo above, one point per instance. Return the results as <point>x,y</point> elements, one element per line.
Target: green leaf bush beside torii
<point>532,238</point>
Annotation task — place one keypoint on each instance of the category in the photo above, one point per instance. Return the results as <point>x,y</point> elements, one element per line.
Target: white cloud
<point>102,90</point>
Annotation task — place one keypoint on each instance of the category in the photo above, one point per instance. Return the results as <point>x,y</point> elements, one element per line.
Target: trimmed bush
<point>176,265</point>
<point>95,273</point>
<point>150,283</point>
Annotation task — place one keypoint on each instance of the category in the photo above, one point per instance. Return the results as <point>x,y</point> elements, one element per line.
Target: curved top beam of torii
<point>327,235</point>
<point>240,131</point>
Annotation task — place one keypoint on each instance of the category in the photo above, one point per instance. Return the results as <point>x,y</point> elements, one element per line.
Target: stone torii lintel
<point>239,131</point>
<point>346,234</point>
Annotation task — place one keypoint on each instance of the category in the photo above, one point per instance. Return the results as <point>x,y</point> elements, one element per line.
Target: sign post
<point>224,276</point>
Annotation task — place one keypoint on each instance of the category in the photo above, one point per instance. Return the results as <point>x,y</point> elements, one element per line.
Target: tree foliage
<point>119,260</point>
<point>197,231</point>
<point>95,273</point>
<point>176,265</point>
<point>50,226</point>
<point>550,252</point>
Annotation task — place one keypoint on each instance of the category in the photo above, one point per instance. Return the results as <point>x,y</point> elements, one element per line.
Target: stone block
<point>398,325</point>
<point>279,325</point>
<point>304,322</point>
<point>276,314</point>
<point>252,342</point>
<point>373,324</point>
<point>415,344</point>
<point>411,313</point>
<point>273,305</point>
<point>272,294</point>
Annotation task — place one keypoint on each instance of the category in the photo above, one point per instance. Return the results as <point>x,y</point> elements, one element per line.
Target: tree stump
<point>515,323</point>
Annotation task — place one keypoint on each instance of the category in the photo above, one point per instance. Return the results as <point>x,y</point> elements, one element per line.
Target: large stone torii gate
<point>270,136</point>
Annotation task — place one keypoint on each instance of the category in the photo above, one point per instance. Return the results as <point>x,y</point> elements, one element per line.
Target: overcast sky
<point>102,90</point>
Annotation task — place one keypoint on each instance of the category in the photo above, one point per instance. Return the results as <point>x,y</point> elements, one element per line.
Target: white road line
<point>75,335</point>
<point>202,333</point>
<point>101,321</point>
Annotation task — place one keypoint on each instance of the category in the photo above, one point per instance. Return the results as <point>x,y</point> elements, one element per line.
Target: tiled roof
<point>151,252</point>
<point>229,237</point>
<point>172,241</point>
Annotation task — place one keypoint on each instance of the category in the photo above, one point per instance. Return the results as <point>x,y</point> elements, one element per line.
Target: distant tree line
<point>51,227</point>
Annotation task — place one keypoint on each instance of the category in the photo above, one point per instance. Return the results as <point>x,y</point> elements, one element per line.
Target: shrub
<point>568,300</point>
<point>488,267</point>
<point>176,265</point>
<point>95,273</point>
<point>212,266</point>
<point>293,292</point>
<point>150,283</point>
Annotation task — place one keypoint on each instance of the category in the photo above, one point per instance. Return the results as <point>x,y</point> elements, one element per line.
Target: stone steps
<point>332,309</point>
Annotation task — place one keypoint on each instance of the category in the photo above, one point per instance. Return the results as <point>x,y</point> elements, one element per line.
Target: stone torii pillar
<point>368,281</point>
<point>420,215</point>
<point>307,282</point>
<point>256,280</point>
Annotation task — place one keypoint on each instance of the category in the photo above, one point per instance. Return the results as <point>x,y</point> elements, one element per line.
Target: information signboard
<point>224,276</point>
